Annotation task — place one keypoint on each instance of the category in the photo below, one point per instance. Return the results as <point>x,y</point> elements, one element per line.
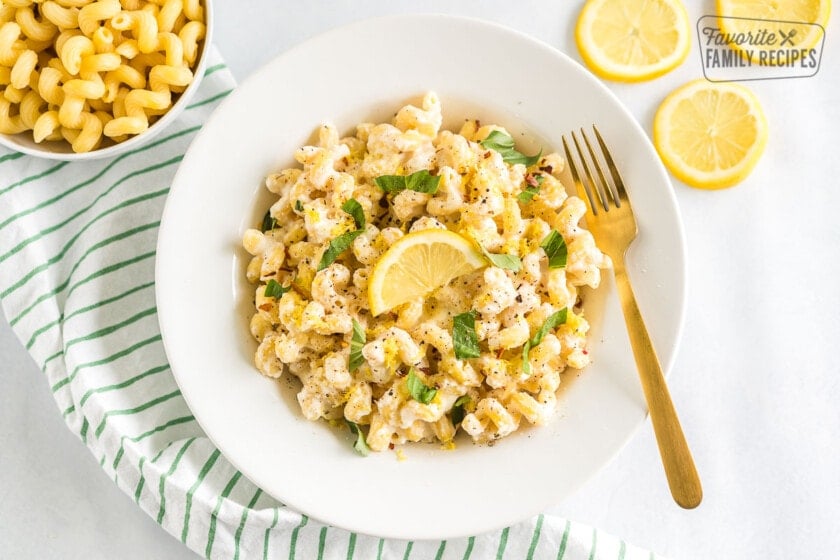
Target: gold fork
<point>610,219</point>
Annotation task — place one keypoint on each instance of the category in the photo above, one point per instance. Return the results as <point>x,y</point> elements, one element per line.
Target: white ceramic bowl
<point>366,72</point>
<point>23,142</point>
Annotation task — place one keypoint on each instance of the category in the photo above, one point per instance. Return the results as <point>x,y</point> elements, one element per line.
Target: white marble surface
<point>755,381</point>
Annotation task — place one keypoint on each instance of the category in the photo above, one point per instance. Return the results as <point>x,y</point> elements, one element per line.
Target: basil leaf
<point>528,194</point>
<point>275,290</point>
<point>464,338</point>
<point>555,248</point>
<point>353,208</point>
<point>549,325</point>
<point>423,182</point>
<point>299,206</point>
<point>531,190</point>
<point>338,246</point>
<point>390,183</point>
<point>268,223</point>
<point>526,365</point>
<point>360,446</point>
<point>502,143</point>
<point>458,411</point>
<point>356,344</point>
<point>419,391</point>
<point>420,181</point>
<point>508,262</point>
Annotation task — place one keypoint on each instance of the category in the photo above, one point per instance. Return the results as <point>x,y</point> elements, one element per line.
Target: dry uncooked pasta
<point>94,71</point>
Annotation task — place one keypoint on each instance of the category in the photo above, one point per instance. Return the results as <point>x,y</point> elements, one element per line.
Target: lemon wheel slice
<point>795,13</point>
<point>633,40</point>
<point>710,135</point>
<point>418,264</point>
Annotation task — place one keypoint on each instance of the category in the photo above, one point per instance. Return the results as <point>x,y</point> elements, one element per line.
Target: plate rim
<point>266,69</point>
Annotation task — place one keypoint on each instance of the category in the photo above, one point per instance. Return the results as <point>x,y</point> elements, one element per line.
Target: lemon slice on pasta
<point>418,264</point>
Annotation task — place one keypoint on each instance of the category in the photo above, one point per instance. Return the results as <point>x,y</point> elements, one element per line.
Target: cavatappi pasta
<point>89,71</point>
<point>527,323</point>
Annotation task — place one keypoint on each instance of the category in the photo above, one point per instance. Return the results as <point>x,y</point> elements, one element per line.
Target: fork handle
<point>673,448</point>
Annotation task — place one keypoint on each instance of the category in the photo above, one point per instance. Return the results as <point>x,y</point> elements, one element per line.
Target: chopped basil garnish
<point>268,223</point>
<point>275,290</point>
<point>526,365</point>
<point>509,262</point>
<point>419,391</point>
<point>528,194</point>
<point>502,143</point>
<point>532,190</point>
<point>420,181</point>
<point>338,246</point>
<point>353,208</point>
<point>458,411</point>
<point>553,321</point>
<point>464,338</point>
<point>360,446</point>
<point>390,183</point>
<point>299,206</point>
<point>356,344</point>
<point>555,248</point>
<point>343,241</point>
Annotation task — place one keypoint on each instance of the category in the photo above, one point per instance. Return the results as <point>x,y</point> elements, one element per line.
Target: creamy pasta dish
<point>419,281</point>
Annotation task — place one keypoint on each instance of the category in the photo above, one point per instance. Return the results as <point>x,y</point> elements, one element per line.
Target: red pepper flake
<point>486,155</point>
<point>391,446</point>
<point>531,180</point>
<point>265,307</point>
<point>586,352</point>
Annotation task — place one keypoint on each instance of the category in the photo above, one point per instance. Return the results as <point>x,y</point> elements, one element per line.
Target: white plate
<point>363,72</point>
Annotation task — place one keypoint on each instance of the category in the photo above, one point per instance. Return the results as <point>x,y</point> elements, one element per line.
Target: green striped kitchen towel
<point>77,257</point>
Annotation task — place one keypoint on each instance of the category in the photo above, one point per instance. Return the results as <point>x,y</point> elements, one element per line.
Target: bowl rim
<point>8,140</point>
<point>166,287</point>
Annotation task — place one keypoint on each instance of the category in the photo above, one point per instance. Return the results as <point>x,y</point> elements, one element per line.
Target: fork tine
<point>582,189</point>
<point>619,183</point>
<point>597,188</point>
<point>606,184</point>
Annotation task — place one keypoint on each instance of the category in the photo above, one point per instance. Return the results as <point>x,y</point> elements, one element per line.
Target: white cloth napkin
<point>77,258</point>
